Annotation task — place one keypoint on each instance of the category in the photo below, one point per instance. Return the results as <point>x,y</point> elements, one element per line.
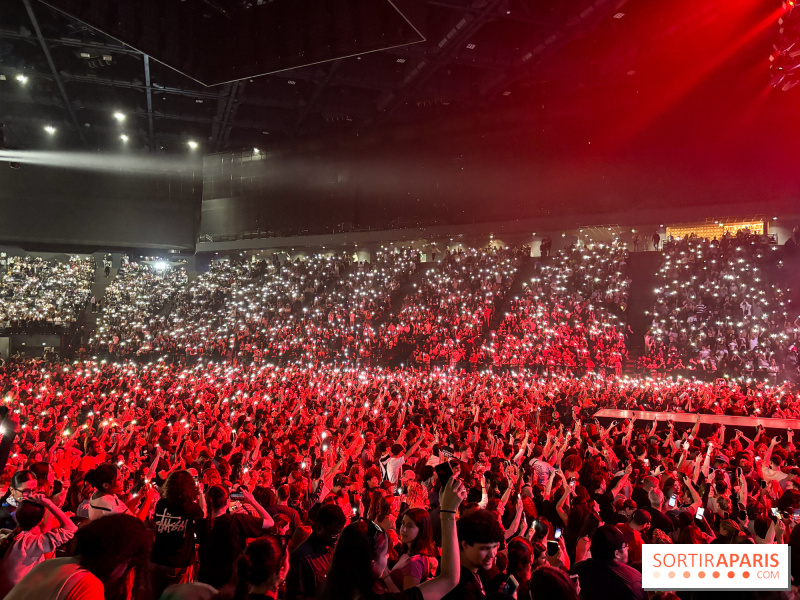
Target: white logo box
<point>716,566</point>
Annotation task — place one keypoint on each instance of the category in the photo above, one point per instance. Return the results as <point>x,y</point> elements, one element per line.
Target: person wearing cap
<point>606,574</point>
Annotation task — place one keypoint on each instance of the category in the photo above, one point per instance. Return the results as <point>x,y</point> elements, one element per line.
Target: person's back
<point>58,579</point>
<point>228,536</point>
<point>606,575</point>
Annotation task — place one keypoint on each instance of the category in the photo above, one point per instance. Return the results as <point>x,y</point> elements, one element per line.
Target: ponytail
<point>243,573</point>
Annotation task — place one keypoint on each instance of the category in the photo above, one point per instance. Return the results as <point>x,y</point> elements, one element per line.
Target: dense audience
<point>36,293</point>
<point>133,305</point>
<point>445,317</point>
<point>717,310</point>
<point>292,482</point>
<point>571,315</point>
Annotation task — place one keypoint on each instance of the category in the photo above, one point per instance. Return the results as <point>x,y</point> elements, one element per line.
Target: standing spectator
<point>228,535</point>
<point>176,516</point>
<point>606,574</point>
<point>308,564</point>
<point>418,560</point>
<point>479,538</point>
<point>26,546</point>
<point>360,559</point>
<point>111,554</point>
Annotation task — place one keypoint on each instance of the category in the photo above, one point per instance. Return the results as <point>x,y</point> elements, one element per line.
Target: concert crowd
<point>321,481</point>
<point>254,432</point>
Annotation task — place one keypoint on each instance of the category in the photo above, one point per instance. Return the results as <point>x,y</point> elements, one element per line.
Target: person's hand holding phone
<point>452,495</point>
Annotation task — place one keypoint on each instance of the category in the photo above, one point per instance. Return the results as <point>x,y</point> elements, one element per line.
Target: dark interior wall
<point>48,206</point>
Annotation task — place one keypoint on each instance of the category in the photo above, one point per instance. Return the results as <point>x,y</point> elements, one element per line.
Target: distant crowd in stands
<point>37,293</point>
<point>572,314</point>
<point>718,309</point>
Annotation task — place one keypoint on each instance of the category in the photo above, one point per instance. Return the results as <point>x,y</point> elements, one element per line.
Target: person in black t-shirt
<point>606,575</point>
<point>176,516</point>
<point>479,538</point>
<point>309,562</point>
<point>226,535</point>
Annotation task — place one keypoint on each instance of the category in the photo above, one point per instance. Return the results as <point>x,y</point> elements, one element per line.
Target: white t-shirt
<point>106,505</point>
<point>393,467</point>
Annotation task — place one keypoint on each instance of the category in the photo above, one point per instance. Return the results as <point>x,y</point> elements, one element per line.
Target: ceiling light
<point>85,55</point>
<point>291,82</point>
<point>50,129</point>
<point>23,79</point>
<point>470,46</point>
<point>256,151</point>
<point>123,137</point>
<point>119,116</point>
<point>619,15</point>
<point>506,93</point>
<point>192,144</point>
<point>401,61</point>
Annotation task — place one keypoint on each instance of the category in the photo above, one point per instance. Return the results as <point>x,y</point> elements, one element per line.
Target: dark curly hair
<point>180,489</point>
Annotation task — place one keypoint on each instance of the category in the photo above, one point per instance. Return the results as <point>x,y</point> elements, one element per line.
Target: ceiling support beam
<point>70,43</point>
<point>590,17</point>
<point>149,103</point>
<point>226,116</point>
<point>427,67</point>
<point>501,14</point>
<point>321,87</point>
<point>53,70</point>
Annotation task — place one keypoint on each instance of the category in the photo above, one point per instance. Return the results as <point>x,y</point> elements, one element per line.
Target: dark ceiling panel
<point>217,41</point>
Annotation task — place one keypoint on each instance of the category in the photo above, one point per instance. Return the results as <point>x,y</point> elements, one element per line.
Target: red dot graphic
<point>715,574</point>
<point>671,574</point>
<point>746,574</point>
<point>702,574</point>
<point>686,574</point>
<point>731,574</point>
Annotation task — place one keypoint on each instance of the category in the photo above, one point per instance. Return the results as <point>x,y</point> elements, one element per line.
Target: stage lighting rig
<point>785,58</point>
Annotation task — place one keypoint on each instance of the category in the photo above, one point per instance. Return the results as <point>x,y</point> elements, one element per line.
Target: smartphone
<point>673,500</point>
<point>552,548</point>
<point>444,471</point>
<point>509,586</point>
<point>700,512</point>
<point>557,533</point>
<point>685,445</point>
<point>237,495</point>
<point>775,512</point>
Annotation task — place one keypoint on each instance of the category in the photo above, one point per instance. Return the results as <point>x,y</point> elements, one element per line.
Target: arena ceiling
<point>541,105</point>
<point>57,71</point>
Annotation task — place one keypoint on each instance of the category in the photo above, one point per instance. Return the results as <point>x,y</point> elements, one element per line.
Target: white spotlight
<point>123,137</point>
<point>119,116</point>
<point>50,129</point>
<point>192,144</point>
<point>23,79</point>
